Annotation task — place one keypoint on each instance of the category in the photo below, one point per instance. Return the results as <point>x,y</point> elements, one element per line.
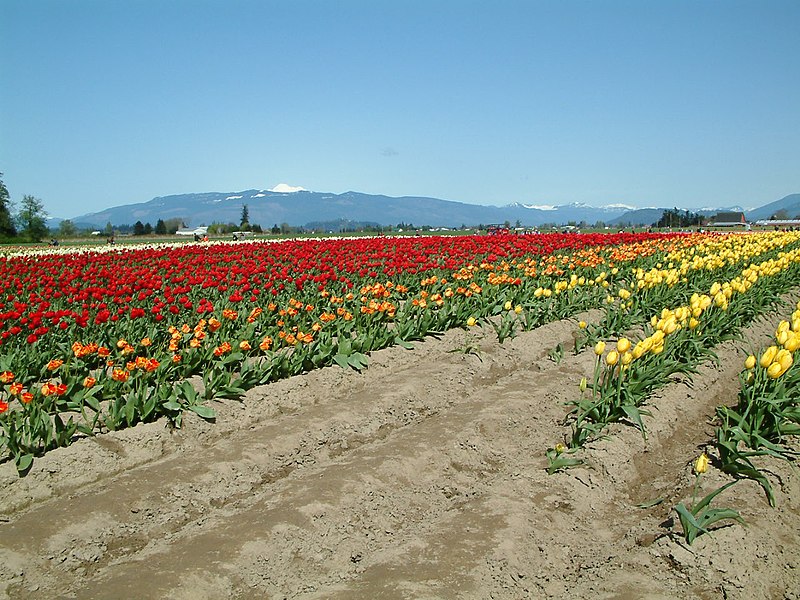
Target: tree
<point>148,229</point>
<point>780,215</point>
<point>32,218</point>
<point>676,218</point>
<point>245,222</point>
<point>138,228</point>
<point>222,228</point>
<point>7,228</point>
<point>161,228</point>
<point>67,229</point>
<point>174,224</point>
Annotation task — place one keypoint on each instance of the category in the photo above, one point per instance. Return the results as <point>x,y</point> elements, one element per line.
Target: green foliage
<point>696,519</point>
<point>7,228</point>
<point>679,218</point>
<point>67,229</point>
<point>766,415</point>
<point>172,225</point>
<point>559,458</point>
<point>32,219</point>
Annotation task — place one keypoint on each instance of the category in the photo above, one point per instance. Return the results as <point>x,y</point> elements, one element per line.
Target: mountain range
<point>301,207</point>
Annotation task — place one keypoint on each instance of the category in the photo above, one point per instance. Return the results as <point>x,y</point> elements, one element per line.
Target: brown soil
<point>422,477</point>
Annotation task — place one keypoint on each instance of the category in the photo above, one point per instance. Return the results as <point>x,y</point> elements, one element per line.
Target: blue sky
<point>668,103</point>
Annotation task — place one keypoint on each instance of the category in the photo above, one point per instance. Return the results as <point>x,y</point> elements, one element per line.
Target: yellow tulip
<point>768,356</point>
<point>701,464</point>
<point>612,358</point>
<point>599,348</point>
<point>471,322</point>
<point>582,324</point>
<point>775,370</point>
<point>507,305</point>
<point>750,362</point>
<point>784,358</point>
<point>626,358</point>
<point>623,345</point>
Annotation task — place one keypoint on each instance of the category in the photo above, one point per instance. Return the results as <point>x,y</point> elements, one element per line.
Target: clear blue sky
<point>650,103</point>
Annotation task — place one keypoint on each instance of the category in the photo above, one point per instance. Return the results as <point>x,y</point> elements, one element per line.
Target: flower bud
<point>775,370</point>
<point>766,358</point>
<point>701,464</point>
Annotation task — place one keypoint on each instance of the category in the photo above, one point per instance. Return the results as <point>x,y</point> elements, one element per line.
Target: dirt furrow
<point>422,477</point>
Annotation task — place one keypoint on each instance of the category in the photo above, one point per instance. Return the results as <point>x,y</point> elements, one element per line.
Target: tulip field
<point>97,341</point>
<point>482,404</point>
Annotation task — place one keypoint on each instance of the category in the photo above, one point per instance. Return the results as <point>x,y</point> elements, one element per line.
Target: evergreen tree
<point>161,227</point>
<point>245,222</point>
<point>7,228</point>
<point>138,228</point>
<point>678,218</point>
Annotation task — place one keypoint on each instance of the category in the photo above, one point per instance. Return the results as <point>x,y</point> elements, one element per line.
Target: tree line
<point>28,223</point>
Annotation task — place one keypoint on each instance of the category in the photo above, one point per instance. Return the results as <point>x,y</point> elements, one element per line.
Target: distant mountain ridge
<point>299,208</point>
<point>790,204</point>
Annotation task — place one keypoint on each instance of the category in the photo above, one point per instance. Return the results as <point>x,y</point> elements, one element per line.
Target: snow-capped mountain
<point>296,206</point>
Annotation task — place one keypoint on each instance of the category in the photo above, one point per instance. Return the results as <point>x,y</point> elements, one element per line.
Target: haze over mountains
<point>299,207</point>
